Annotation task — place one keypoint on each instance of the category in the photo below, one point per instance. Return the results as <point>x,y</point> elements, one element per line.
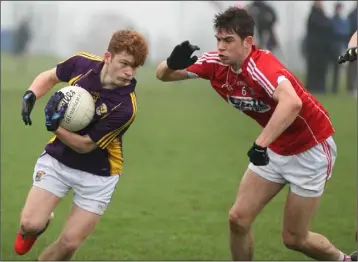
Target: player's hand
<point>52,115</point>
<point>28,102</point>
<point>181,58</point>
<point>258,155</point>
<point>349,56</point>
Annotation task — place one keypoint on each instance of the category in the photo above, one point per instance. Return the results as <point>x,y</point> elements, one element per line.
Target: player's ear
<point>248,41</point>
<point>107,57</point>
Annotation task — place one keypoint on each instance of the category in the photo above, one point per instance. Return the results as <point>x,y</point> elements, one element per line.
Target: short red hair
<point>131,42</point>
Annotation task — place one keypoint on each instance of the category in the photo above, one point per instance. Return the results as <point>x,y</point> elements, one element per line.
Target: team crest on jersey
<point>102,109</point>
<point>39,175</point>
<point>248,104</point>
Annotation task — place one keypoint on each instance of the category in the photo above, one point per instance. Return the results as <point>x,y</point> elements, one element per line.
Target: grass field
<point>184,157</point>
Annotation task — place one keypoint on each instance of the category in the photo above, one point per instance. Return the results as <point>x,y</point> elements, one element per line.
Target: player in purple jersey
<point>89,161</point>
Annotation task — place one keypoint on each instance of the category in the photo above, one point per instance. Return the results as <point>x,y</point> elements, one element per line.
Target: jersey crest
<point>101,109</point>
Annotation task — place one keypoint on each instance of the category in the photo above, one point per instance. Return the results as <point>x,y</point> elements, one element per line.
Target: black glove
<point>258,155</point>
<point>52,115</point>
<point>180,58</point>
<point>28,102</point>
<point>349,56</point>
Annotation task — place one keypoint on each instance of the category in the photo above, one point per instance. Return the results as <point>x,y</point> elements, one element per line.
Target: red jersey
<point>251,91</point>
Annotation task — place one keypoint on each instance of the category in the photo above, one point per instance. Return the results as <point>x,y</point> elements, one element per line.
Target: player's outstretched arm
<point>165,74</point>
<point>288,107</point>
<point>173,68</point>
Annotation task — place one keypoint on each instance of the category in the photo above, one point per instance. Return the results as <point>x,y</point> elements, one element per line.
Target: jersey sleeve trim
<point>90,56</point>
<point>74,79</point>
<point>280,79</point>
<point>260,78</point>
<point>209,58</point>
<point>204,67</point>
<point>191,74</point>
<point>85,55</point>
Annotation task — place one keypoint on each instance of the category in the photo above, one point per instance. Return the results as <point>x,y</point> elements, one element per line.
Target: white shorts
<point>92,193</point>
<point>306,172</point>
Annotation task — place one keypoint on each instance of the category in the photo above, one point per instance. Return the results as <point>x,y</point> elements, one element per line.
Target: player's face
<point>231,49</point>
<point>120,68</point>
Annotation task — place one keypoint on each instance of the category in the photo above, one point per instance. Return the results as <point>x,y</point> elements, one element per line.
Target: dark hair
<point>237,20</point>
<point>131,42</point>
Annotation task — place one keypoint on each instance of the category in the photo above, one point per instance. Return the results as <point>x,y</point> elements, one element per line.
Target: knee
<point>69,243</point>
<point>239,220</point>
<point>31,225</point>
<point>293,241</point>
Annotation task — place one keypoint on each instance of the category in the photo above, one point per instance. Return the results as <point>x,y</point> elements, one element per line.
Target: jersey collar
<point>253,51</point>
<point>125,90</point>
<point>97,69</point>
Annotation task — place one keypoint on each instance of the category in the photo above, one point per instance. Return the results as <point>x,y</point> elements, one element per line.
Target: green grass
<point>184,157</point>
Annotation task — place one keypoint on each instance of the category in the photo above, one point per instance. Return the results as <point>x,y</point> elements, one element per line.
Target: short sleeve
<point>204,66</point>
<point>111,126</point>
<point>75,66</point>
<point>268,73</point>
<point>64,69</point>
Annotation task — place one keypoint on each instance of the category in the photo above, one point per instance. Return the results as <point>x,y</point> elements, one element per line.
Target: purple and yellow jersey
<point>115,112</point>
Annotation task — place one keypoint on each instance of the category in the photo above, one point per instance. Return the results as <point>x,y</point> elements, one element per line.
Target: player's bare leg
<point>298,215</point>
<point>35,218</point>
<point>80,224</point>
<point>253,195</point>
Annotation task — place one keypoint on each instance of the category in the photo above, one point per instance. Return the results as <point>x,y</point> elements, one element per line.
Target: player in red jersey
<point>295,146</point>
